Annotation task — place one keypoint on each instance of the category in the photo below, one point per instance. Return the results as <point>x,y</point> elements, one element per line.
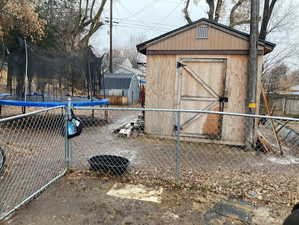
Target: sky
<point>150,18</point>
<point>145,18</point>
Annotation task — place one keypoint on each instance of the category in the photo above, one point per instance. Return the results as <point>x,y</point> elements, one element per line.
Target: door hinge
<point>179,65</point>
<point>175,127</point>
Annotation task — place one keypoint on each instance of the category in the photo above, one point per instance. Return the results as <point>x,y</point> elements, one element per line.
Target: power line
<point>135,20</point>
<point>140,10</point>
<point>138,27</point>
<point>153,27</point>
<point>144,25</point>
<point>172,11</point>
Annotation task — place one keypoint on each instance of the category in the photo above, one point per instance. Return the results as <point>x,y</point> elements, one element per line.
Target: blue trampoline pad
<point>53,104</point>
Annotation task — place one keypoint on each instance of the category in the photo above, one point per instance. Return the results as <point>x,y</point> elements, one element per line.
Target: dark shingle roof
<point>116,81</point>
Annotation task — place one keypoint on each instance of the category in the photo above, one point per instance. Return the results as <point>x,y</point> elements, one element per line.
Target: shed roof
<point>117,81</point>
<point>143,46</point>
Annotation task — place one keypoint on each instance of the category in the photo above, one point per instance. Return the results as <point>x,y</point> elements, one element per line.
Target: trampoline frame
<point>53,103</point>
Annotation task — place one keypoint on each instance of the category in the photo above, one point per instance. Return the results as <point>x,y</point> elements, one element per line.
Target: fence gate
<point>201,86</point>
<point>33,145</point>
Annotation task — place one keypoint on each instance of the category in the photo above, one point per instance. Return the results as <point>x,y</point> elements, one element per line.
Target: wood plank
<point>199,98</point>
<point>272,123</point>
<point>160,93</point>
<point>196,116</point>
<point>200,52</point>
<point>201,81</point>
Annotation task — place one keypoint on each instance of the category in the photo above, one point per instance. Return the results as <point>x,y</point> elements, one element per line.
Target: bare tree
<point>239,13</point>
<point>73,21</point>
<point>214,13</point>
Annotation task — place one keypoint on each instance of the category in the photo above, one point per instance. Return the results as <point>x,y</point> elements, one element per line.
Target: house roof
<point>142,46</point>
<point>117,81</point>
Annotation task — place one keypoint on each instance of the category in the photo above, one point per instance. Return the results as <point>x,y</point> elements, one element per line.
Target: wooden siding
<point>217,40</point>
<point>233,128</point>
<point>201,52</point>
<point>160,93</point>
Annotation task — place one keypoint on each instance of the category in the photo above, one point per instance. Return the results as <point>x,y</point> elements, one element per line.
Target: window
<point>203,32</point>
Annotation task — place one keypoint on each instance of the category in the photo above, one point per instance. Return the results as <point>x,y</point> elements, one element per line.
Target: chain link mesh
<point>208,157</point>
<point>212,153</point>
<point>33,147</point>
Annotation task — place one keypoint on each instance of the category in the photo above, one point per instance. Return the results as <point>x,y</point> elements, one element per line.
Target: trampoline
<point>37,100</point>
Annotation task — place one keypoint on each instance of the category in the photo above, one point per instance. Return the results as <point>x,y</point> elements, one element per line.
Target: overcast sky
<point>150,18</point>
<point>147,18</point>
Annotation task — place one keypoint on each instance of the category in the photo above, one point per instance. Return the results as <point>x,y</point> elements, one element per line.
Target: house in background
<point>286,102</point>
<point>200,66</point>
<point>120,88</point>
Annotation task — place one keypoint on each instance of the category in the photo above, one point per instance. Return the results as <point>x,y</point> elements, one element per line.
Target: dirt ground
<point>81,198</point>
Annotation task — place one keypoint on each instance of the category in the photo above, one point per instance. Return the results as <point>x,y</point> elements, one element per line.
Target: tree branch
<point>91,9</point>
<point>186,12</point>
<point>233,11</point>
<point>94,24</point>
<point>238,23</point>
<point>86,9</point>
<point>218,9</point>
<point>265,21</point>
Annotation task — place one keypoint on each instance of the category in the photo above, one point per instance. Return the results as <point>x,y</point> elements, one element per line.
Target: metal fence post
<point>178,147</point>
<point>66,139</point>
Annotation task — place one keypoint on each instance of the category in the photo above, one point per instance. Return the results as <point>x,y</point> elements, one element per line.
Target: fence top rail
<point>190,111</point>
<point>30,114</point>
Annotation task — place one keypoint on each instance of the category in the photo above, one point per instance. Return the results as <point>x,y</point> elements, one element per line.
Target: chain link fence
<point>212,152</point>
<point>32,150</point>
<point>189,149</point>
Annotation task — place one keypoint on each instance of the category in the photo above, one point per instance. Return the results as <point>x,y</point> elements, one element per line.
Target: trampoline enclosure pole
<point>26,71</point>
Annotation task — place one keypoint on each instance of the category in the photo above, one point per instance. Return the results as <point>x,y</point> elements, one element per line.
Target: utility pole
<point>252,75</point>
<point>110,55</point>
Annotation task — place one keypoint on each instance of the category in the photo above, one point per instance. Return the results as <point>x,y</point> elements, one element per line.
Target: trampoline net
<point>51,75</point>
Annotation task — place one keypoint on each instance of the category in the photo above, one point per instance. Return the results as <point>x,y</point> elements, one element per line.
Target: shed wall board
<point>187,40</point>
<point>160,93</point>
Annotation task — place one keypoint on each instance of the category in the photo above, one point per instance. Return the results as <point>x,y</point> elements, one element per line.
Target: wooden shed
<point>200,66</point>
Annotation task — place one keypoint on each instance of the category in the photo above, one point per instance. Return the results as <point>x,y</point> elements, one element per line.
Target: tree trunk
<point>218,10</point>
<point>211,9</point>
<point>268,10</point>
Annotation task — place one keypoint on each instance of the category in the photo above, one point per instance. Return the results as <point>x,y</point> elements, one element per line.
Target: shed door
<point>201,86</point>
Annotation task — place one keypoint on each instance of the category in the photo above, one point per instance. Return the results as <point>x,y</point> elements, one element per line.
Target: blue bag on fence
<point>74,126</point>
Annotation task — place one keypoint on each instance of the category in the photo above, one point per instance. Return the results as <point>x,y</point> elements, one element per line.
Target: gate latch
<point>223,99</point>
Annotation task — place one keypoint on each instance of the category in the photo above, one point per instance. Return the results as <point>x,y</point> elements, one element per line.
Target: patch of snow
<point>137,192</point>
<point>288,160</point>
